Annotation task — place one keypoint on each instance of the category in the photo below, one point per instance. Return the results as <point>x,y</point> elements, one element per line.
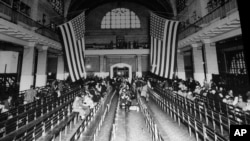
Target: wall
<point>145,63</point>
<point>44,7</point>
<point>94,33</point>
<point>94,62</point>
<point>194,7</point>
<point>10,59</point>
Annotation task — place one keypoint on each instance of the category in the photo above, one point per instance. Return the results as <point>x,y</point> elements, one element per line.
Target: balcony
<point>16,17</point>
<point>125,45</point>
<point>215,12</point>
<point>221,23</point>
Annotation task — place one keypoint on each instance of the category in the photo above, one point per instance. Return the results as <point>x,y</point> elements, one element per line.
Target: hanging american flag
<point>163,34</point>
<point>74,46</point>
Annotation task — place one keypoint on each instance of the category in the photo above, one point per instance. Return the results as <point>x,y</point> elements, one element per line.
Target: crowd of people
<point>209,91</point>
<point>93,90</point>
<point>54,88</point>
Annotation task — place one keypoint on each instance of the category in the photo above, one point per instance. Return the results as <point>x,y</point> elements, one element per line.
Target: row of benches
<point>115,120</point>
<point>21,109</point>
<point>106,106</point>
<point>38,119</point>
<point>197,119</point>
<point>151,125</point>
<point>71,128</point>
<point>226,110</point>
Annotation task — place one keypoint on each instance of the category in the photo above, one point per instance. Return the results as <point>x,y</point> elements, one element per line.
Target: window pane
<point>120,18</point>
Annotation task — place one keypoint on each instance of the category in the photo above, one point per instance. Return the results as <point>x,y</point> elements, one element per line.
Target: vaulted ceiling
<point>163,7</point>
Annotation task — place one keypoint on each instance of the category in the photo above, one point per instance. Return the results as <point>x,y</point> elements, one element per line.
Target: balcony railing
<point>14,16</point>
<point>118,46</point>
<point>219,12</point>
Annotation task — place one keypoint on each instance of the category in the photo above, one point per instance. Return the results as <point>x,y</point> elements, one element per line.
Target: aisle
<point>132,127</point>
<point>169,129</point>
<point>104,134</point>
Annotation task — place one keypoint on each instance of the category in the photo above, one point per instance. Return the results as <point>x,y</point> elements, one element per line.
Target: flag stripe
<point>80,44</point>
<point>163,34</point>
<point>83,52</point>
<point>170,50</point>
<point>74,46</point>
<point>71,47</point>
<point>76,50</point>
<point>164,50</point>
<point>69,60</point>
<point>151,50</point>
<point>174,50</point>
<point>158,56</point>
<point>154,56</point>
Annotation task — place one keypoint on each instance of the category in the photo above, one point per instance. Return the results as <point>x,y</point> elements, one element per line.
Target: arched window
<point>120,18</point>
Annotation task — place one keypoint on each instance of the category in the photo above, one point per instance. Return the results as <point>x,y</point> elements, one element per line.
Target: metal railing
<point>115,46</point>
<point>193,115</point>
<point>14,16</point>
<point>219,12</point>
<point>37,120</point>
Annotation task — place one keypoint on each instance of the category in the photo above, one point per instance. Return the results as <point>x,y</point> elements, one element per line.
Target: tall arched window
<point>120,18</point>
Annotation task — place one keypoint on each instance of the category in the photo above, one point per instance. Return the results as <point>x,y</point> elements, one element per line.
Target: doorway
<point>121,70</point>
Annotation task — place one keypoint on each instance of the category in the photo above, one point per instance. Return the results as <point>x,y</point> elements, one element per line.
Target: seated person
<point>6,105</point>
<point>247,107</point>
<point>241,104</point>
<point>2,107</point>
<point>87,101</point>
<point>79,107</point>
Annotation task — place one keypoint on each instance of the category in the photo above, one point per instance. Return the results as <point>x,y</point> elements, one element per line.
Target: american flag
<point>74,46</point>
<point>163,34</point>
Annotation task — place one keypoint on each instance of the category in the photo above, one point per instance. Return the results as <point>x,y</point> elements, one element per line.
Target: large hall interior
<point>122,70</point>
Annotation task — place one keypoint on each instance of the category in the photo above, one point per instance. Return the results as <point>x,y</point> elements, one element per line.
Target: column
<point>210,58</point>
<point>41,76</point>
<point>180,65</point>
<point>139,66</point>
<point>198,63</point>
<point>101,63</point>
<point>105,69</point>
<point>60,68</point>
<point>27,74</point>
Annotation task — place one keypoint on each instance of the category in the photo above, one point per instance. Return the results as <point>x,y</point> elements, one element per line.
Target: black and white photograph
<point>124,70</point>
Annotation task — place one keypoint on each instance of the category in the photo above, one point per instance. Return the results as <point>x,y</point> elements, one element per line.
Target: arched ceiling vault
<point>165,8</point>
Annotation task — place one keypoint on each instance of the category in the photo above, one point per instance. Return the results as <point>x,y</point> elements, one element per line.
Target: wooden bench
<point>51,135</point>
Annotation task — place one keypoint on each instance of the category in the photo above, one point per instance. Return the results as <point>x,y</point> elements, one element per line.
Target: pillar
<point>180,65</point>
<point>198,62</point>
<point>139,66</point>
<point>103,73</point>
<point>60,68</point>
<point>41,76</point>
<point>27,74</point>
<point>210,58</point>
<point>101,63</point>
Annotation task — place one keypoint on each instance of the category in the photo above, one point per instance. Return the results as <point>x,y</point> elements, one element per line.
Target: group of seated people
<point>91,93</point>
<point>126,95</point>
<point>55,88</point>
<point>209,92</point>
